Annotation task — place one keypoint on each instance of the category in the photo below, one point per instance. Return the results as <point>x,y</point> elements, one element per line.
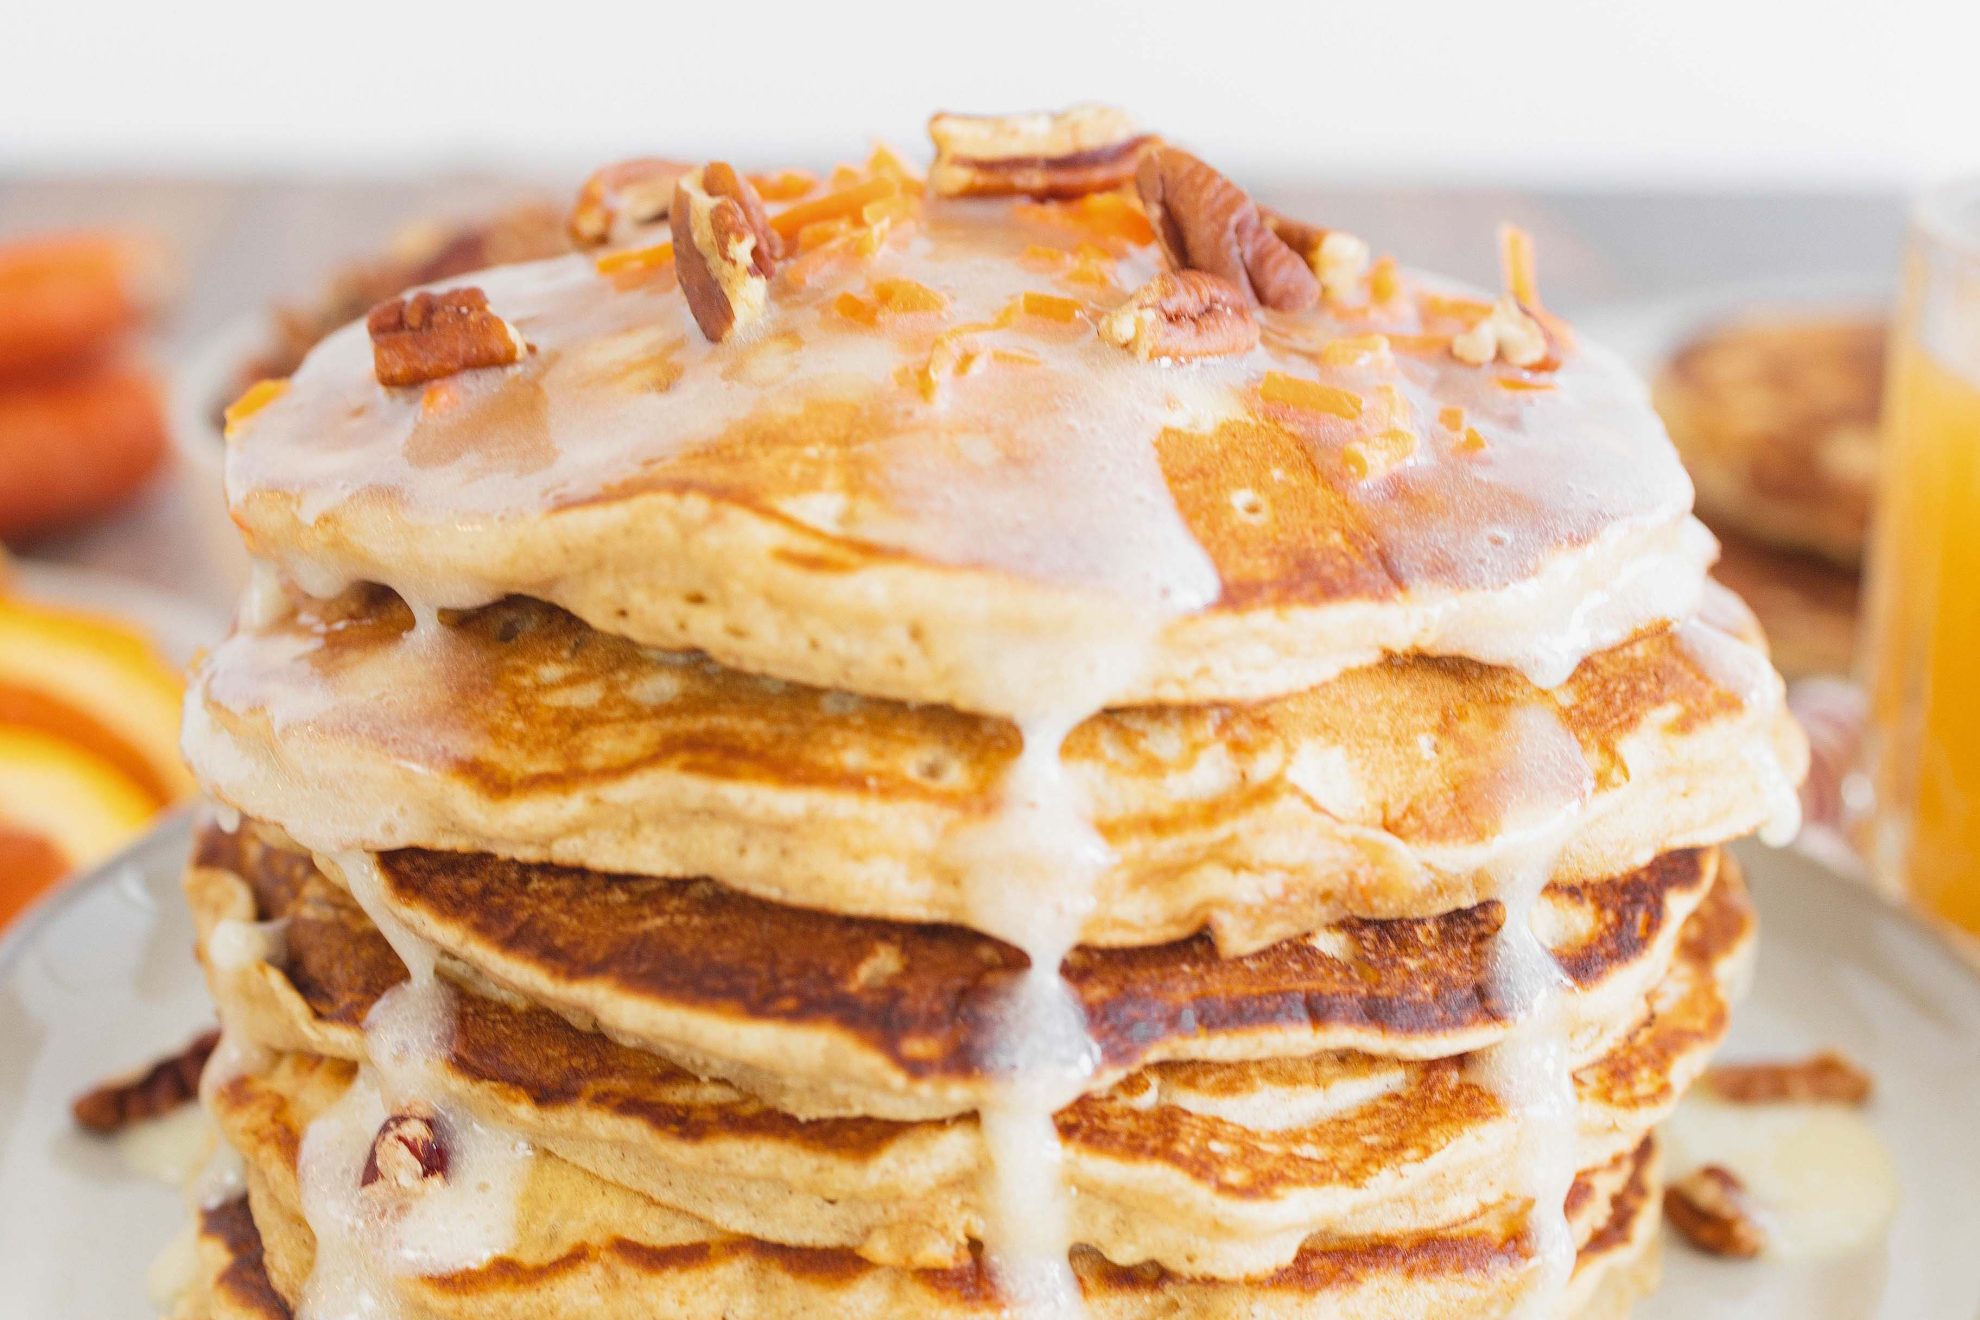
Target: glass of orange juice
<point>1921,647</point>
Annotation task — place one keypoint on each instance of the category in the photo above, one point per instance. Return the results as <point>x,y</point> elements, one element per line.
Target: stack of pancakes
<point>903,807</point>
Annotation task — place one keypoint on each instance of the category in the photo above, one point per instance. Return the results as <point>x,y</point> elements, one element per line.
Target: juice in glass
<point>1922,642</point>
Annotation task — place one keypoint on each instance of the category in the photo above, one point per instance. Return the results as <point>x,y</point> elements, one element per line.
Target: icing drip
<point>1746,671</point>
<point>368,1236</point>
<point>1030,871</point>
<point>1546,786</point>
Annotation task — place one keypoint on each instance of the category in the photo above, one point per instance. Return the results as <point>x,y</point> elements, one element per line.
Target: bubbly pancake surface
<point>783,500</point>
<point>517,729</point>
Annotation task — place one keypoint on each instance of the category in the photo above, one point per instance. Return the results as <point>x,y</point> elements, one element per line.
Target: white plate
<point>101,977</point>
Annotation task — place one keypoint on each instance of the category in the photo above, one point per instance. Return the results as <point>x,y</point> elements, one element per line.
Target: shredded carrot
<point>818,234</point>
<point>856,309</point>
<point>784,185</point>
<point>253,399</point>
<point>627,260</point>
<point>886,163</point>
<point>1355,351</point>
<point>848,201</point>
<point>1309,395</point>
<point>1384,280</point>
<point>906,297</point>
<point>1050,306</point>
<point>1516,260</point>
<point>439,397</point>
<point>1376,455</point>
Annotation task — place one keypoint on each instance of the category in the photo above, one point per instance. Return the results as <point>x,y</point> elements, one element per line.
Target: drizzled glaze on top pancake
<point>796,501</point>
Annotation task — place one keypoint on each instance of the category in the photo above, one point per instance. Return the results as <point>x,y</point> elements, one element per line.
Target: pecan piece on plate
<point>1086,149</point>
<point>623,197</point>
<point>151,1092</point>
<point>1205,222</point>
<point>430,336</point>
<point>1711,1209</point>
<point>408,1149</point>
<point>724,248</point>
<point>1182,314</point>
<point>1825,1078</point>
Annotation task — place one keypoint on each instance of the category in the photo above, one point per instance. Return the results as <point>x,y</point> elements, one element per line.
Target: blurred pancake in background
<point>1775,415</point>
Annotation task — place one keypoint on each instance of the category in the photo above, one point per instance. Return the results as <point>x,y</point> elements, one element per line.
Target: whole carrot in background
<point>63,296</point>
<point>76,443</point>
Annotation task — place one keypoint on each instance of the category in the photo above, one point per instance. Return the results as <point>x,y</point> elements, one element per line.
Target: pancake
<point>1217,1169</point>
<point>1776,416</point>
<point>1808,605</point>
<point>1394,790</point>
<point>584,1245</point>
<point>819,499</point>
<point>829,1015</point>
<point>230,1280</point>
<point>1621,1259</point>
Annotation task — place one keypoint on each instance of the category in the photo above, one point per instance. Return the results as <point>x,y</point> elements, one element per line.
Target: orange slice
<point>60,808</point>
<point>97,685</point>
<point>29,866</point>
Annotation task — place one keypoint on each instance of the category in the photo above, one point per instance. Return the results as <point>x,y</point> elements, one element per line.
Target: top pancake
<point>800,501</point>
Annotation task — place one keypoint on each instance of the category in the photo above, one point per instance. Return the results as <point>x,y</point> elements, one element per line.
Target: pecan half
<point>151,1092</point>
<point>1711,1208</point>
<point>1182,314</point>
<point>621,198</point>
<point>1825,1078</point>
<point>408,1150</point>
<point>1337,257</point>
<point>724,248</point>
<point>1086,149</point>
<point>430,336</point>
<point>1205,222</point>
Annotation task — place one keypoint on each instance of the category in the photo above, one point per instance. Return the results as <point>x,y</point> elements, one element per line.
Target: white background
<point>1732,92</point>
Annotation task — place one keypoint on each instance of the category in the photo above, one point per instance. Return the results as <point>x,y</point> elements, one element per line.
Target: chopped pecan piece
<point>1507,332</point>
<point>1182,314</point>
<point>1711,1208</point>
<point>1825,1078</point>
<point>408,1150</point>
<point>724,248</point>
<point>152,1092</point>
<point>1087,149</point>
<point>1337,257</point>
<point>1205,222</point>
<point>623,197</point>
<point>431,336</point>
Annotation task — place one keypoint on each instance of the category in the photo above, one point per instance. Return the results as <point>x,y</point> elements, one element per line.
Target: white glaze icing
<point>1819,1175</point>
<point>1048,473</point>
<point>1547,784</point>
